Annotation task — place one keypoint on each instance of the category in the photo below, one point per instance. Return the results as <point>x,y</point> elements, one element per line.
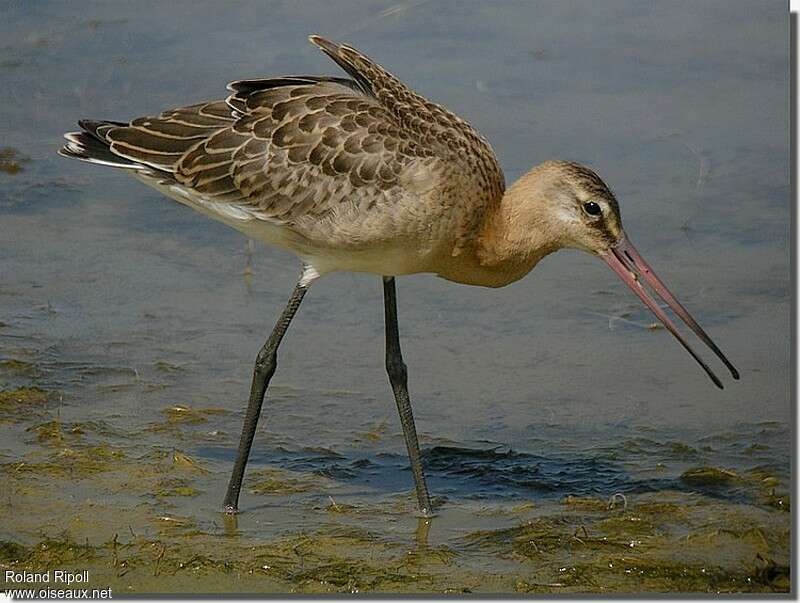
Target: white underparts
<point>224,209</point>
<point>309,275</point>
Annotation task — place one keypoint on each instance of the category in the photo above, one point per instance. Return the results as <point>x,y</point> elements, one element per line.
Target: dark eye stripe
<point>592,208</point>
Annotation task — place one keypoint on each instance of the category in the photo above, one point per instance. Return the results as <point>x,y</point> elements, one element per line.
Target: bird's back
<point>350,169</point>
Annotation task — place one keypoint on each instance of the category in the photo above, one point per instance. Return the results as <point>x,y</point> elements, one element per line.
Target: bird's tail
<point>90,144</point>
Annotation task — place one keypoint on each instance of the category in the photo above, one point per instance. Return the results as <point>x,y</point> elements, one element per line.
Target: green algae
<point>46,554</point>
<point>710,476</point>
<point>346,560</point>
<point>11,161</point>
<point>21,401</point>
<point>166,367</point>
<point>174,526</point>
<point>660,508</point>
<point>675,545</point>
<point>56,433</point>
<point>180,414</point>
<point>531,539</point>
<point>24,404</point>
<point>69,462</point>
<point>159,535</point>
<point>184,462</point>
<point>628,526</point>
<point>669,541</point>
<point>18,367</point>
<point>335,507</point>
<point>186,423</point>
<point>681,450</point>
<point>639,573</point>
<point>581,551</point>
<point>374,434</point>
<point>275,481</point>
<point>174,487</point>
<point>777,501</point>
<point>585,503</point>
<point>12,552</point>
<point>426,556</point>
<point>522,508</point>
<point>672,450</point>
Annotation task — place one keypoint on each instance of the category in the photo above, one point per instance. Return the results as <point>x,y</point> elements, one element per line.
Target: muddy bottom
<point>145,518</point>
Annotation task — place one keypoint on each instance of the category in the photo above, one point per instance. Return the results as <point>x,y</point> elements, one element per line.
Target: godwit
<point>363,174</point>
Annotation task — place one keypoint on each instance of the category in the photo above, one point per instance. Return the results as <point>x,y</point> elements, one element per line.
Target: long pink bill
<point>630,266</point>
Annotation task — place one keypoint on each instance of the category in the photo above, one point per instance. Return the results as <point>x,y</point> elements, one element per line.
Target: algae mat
<point>133,518</point>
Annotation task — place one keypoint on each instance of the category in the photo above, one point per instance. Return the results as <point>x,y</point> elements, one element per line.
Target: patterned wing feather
<point>303,150</point>
<point>159,142</point>
<point>429,123</point>
<point>297,147</point>
<point>290,147</point>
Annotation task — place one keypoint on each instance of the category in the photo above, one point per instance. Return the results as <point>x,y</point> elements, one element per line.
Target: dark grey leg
<point>398,377</point>
<point>266,362</point>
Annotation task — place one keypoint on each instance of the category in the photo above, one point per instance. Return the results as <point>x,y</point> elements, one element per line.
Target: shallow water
<point>134,318</point>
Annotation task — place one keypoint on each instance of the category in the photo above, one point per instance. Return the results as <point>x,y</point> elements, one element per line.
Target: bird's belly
<point>385,256</point>
<point>231,214</point>
<point>387,260</point>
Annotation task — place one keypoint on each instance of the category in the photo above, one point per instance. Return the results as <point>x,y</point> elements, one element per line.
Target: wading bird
<point>362,174</point>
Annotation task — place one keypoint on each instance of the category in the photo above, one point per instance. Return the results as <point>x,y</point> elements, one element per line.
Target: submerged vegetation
<point>140,510</point>
<point>11,161</point>
<point>653,546</point>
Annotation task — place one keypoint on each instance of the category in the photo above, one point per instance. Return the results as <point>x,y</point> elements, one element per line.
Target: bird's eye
<point>592,208</point>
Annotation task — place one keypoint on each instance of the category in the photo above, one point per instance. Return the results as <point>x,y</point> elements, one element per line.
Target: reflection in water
<point>423,530</point>
<point>231,523</point>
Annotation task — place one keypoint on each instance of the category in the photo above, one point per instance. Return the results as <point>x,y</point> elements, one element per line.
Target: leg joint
<point>266,361</point>
<point>397,369</point>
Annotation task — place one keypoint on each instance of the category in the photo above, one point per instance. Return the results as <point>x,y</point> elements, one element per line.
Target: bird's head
<point>560,204</point>
<point>574,206</point>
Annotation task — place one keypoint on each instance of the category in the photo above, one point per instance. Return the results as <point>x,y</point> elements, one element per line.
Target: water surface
<point>134,317</point>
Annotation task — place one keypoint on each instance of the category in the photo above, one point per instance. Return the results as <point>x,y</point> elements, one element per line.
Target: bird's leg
<point>398,377</point>
<point>248,258</point>
<point>266,362</point>
<point>423,530</point>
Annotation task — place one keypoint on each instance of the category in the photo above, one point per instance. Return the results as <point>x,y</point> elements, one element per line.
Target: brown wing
<point>287,147</point>
<point>302,150</point>
<point>302,146</point>
<point>160,142</point>
<point>432,125</point>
